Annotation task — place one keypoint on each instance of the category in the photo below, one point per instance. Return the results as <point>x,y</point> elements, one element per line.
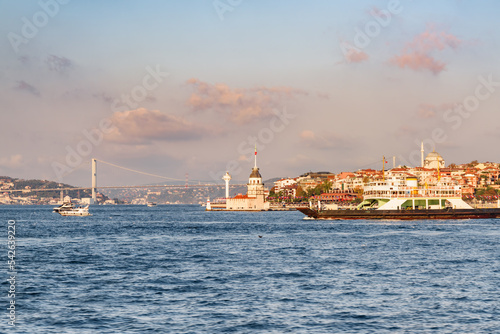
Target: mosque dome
<point>434,155</point>
<point>434,160</point>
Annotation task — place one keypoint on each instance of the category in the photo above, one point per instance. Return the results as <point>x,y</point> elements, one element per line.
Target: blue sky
<point>230,79</point>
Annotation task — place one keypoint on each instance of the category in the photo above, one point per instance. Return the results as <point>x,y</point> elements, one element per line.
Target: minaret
<point>422,154</point>
<point>226,178</point>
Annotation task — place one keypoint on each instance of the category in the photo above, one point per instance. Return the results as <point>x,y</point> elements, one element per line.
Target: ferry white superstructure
<point>400,193</point>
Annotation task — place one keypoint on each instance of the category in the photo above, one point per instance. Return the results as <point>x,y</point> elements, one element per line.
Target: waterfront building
<point>282,184</point>
<point>255,199</point>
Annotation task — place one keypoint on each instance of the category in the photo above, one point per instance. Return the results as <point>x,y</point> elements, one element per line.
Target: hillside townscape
<point>478,180</point>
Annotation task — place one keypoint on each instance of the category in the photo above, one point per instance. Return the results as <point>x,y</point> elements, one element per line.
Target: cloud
<point>417,54</point>
<point>103,97</point>
<point>351,53</point>
<point>24,59</point>
<point>239,105</point>
<point>377,12</point>
<point>142,126</point>
<point>355,56</point>
<point>243,158</point>
<point>26,87</point>
<point>108,99</point>
<point>426,110</point>
<point>12,162</point>
<point>419,61</point>
<point>58,64</point>
<point>329,141</point>
<point>405,130</point>
<point>324,96</point>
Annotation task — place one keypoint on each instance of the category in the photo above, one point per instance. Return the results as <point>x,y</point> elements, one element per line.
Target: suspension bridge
<point>94,187</point>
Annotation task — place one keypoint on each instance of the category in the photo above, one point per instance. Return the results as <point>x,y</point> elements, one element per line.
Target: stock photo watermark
<point>454,117</point>
<point>223,6</point>
<point>371,30</point>
<point>94,137</point>
<point>265,136</point>
<point>31,26</point>
<point>11,272</point>
<point>139,93</point>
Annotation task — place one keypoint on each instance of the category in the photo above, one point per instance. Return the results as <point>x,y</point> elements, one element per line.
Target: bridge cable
<point>144,173</point>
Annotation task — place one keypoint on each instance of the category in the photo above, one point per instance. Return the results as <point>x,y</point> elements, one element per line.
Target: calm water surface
<point>179,269</point>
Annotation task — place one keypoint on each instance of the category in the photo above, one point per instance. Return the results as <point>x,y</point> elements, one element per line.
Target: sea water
<point>180,269</point>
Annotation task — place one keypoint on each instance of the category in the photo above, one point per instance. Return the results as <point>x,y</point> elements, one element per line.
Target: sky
<point>191,87</point>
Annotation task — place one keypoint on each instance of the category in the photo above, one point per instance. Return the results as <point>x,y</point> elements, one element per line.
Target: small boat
<point>68,209</point>
<point>151,204</point>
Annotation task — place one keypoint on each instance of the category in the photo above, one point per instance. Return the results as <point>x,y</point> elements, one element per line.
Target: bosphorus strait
<point>179,269</point>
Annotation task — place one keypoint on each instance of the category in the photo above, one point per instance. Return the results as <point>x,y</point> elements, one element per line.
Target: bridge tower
<point>94,181</point>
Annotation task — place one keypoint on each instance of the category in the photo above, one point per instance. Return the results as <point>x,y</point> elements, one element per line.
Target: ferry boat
<point>151,204</point>
<point>401,198</point>
<point>68,209</point>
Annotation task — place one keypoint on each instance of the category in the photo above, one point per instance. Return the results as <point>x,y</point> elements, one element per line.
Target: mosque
<point>433,159</point>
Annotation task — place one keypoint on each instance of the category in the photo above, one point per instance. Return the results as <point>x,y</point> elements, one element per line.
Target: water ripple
<point>178,269</point>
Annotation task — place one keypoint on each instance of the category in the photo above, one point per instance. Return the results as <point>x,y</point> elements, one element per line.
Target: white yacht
<point>68,209</point>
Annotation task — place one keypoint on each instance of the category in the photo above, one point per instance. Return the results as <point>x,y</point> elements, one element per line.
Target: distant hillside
<point>10,183</point>
<point>270,182</point>
<point>191,195</point>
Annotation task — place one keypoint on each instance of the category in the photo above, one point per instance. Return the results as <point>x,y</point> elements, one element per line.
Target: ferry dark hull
<point>402,214</point>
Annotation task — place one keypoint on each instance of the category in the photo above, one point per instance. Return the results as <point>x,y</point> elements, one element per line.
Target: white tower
<point>422,154</point>
<point>94,181</point>
<point>227,178</point>
<point>255,185</point>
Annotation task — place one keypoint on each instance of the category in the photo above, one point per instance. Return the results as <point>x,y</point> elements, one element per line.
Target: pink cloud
<point>239,105</point>
<point>141,126</point>
<point>351,53</point>
<point>426,110</point>
<point>13,162</point>
<point>325,141</point>
<point>355,56</point>
<point>431,40</point>
<point>417,55</point>
<point>418,61</point>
